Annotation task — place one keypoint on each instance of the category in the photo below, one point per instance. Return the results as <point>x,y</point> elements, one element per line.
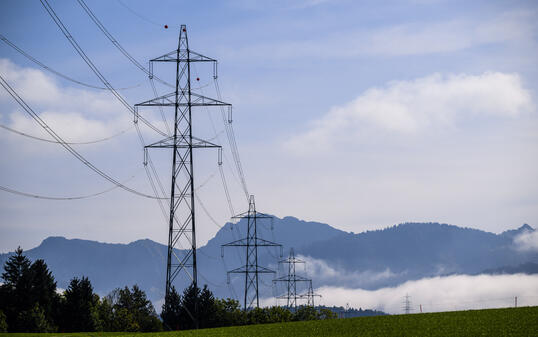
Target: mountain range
<point>368,260</point>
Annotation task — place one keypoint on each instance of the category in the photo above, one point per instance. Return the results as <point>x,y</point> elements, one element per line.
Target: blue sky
<point>361,114</point>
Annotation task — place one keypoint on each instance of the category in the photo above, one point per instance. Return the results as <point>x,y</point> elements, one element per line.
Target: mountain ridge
<point>369,260</point>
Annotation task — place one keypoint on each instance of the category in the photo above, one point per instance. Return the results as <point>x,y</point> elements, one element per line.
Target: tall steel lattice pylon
<point>181,258</point>
<point>309,295</point>
<point>251,269</point>
<point>291,280</point>
<point>407,304</point>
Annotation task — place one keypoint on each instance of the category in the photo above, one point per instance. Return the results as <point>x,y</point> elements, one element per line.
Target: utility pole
<point>515,301</point>
<point>291,282</point>
<point>407,304</point>
<point>181,257</point>
<point>251,269</point>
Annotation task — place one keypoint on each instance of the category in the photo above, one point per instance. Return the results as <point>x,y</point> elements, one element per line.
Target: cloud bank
<point>458,292</point>
<point>323,273</point>
<point>527,241</point>
<point>429,103</point>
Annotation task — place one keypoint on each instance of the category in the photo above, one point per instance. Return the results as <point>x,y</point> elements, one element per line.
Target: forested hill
<point>403,252</point>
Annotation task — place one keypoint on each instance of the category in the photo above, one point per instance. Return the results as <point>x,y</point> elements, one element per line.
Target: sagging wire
<point>55,72</point>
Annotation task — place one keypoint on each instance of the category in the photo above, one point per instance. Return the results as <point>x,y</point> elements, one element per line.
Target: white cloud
<point>323,273</point>
<point>408,107</point>
<point>527,241</point>
<point>75,114</point>
<point>458,292</point>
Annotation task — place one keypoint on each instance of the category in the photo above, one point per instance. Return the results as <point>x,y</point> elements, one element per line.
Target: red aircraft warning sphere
<point>165,26</point>
<point>197,78</point>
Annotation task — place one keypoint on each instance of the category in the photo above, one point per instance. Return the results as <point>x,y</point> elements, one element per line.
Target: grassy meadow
<point>488,322</point>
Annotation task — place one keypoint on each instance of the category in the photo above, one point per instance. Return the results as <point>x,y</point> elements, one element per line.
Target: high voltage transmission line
<point>251,242</point>
<point>55,72</point>
<point>92,66</point>
<point>118,45</point>
<point>182,220</point>
<point>291,280</point>
<point>227,120</point>
<point>47,197</point>
<point>406,305</point>
<point>226,117</point>
<point>70,149</point>
<point>182,142</point>
<point>70,143</point>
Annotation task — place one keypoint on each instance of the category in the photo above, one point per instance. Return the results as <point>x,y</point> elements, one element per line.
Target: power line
<point>221,152</point>
<point>95,70</point>
<point>45,197</point>
<point>33,59</point>
<point>118,45</point>
<point>54,135</point>
<point>138,14</point>
<point>251,242</point>
<point>231,139</point>
<point>70,143</point>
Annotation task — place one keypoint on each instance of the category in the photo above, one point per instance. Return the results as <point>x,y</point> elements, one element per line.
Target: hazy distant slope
<point>416,250</point>
<point>407,251</point>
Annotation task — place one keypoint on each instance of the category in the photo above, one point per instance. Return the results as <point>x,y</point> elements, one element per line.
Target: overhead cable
<point>55,72</point>
<point>95,70</point>
<point>231,140</point>
<point>138,14</point>
<point>117,44</point>
<point>70,143</point>
<point>46,197</point>
<point>71,150</point>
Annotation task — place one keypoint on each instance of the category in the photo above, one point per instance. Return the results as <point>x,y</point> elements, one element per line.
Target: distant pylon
<point>309,295</point>
<point>407,304</point>
<point>251,269</point>
<point>181,258</point>
<point>291,280</point>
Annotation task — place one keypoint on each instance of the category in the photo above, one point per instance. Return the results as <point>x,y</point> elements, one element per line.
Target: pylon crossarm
<point>266,243</point>
<point>246,269</point>
<point>261,215</point>
<point>200,100</point>
<point>289,279</point>
<point>294,260</point>
<point>193,57</point>
<point>236,243</point>
<point>307,295</point>
<point>182,143</point>
<point>170,100</point>
<point>164,100</point>
<point>256,215</point>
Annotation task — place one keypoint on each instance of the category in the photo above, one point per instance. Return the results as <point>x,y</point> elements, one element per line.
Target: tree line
<point>31,302</point>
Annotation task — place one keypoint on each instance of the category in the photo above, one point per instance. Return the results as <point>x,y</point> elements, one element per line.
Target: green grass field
<point>491,322</point>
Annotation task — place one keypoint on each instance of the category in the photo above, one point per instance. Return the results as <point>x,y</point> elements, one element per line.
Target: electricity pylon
<point>291,281</point>
<point>181,258</point>
<point>309,295</point>
<point>407,304</point>
<point>251,269</point>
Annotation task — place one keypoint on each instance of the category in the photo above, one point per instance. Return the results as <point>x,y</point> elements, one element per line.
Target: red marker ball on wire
<point>197,78</point>
<point>165,26</point>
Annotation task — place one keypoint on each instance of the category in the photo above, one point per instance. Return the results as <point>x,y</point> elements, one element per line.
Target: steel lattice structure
<point>181,258</point>
<point>309,295</point>
<point>251,269</point>
<point>291,281</point>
